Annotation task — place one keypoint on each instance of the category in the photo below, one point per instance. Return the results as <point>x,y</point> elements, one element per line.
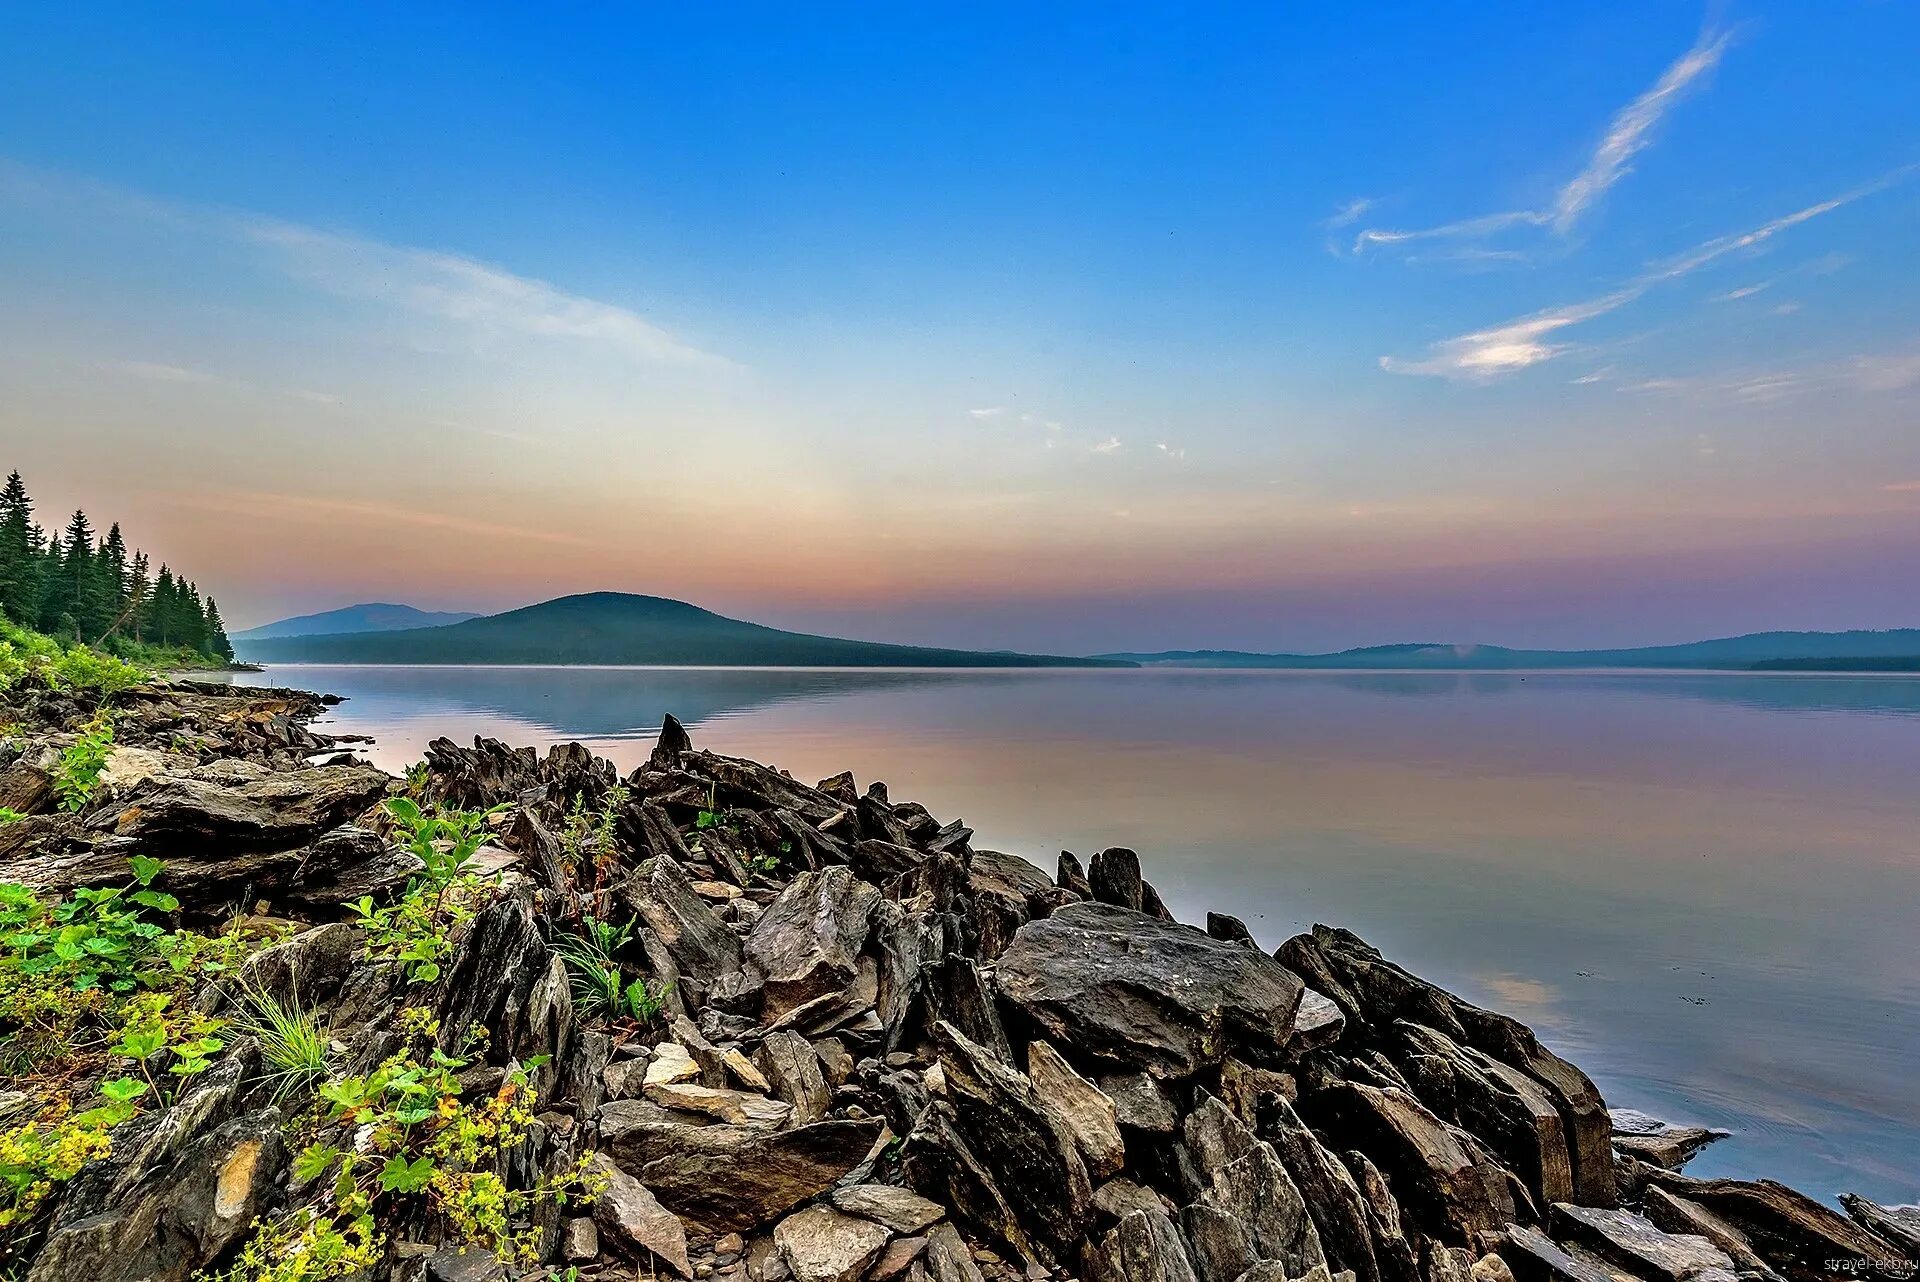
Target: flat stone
<point>736,1107</point>
<point>1664,1144</point>
<point>821,1244</point>
<point>901,1210</point>
<point>742,1070</point>
<point>671,1063</point>
<point>1633,1242</point>
<point>893,1261</point>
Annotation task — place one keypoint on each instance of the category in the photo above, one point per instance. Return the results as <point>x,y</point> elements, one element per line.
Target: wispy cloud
<point>1170,452</point>
<point>254,503</point>
<point>1629,133</point>
<point>162,373</point>
<point>1533,339</point>
<point>1903,487</point>
<point>1887,373</point>
<point>992,411</point>
<point>1111,445</point>
<point>1351,212</point>
<point>312,397</point>
<point>465,290</point>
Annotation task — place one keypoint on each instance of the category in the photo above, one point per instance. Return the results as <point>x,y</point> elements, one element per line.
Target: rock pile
<point>887,1054</point>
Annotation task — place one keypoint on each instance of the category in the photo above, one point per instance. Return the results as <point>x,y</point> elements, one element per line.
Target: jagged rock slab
<point>1535,1257</point>
<point>1634,1243</point>
<point>1228,1170</point>
<point>1333,1199</point>
<point>1676,1214</point>
<point>1144,1247</point>
<point>1080,1107</point>
<point>1662,1143</point>
<point>724,1178</point>
<point>1794,1234</point>
<point>821,1244</point>
<point>1036,1162</point>
<point>661,894</point>
<point>1372,993</point>
<point>1126,988</point>
<point>1448,1189</point>
<point>807,943</point>
<point>628,1214</point>
<point>739,1108</point>
<point>1899,1225</point>
<point>901,1210</point>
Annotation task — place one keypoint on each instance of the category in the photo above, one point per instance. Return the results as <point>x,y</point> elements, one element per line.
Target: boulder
<point>807,943</point>
<point>1333,1198</point>
<point>633,1219</point>
<point>1532,1256</point>
<point>948,1259</point>
<point>723,1178</point>
<point>1114,877</point>
<point>1231,1171</point>
<point>821,1244</point>
<point>937,1160</point>
<point>1123,987</point>
<point>1794,1234</point>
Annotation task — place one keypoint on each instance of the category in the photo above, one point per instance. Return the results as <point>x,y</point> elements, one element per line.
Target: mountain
<point>1799,650</point>
<point>618,627</point>
<point>375,616</point>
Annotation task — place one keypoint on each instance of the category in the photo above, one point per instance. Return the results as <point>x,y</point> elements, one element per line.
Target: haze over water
<point>1700,888</point>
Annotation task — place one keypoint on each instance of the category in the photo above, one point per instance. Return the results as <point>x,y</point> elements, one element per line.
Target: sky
<point>1061,327</point>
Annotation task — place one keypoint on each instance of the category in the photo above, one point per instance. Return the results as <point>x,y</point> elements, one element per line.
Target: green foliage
<point>9,816</point>
<point>153,1036</point>
<point>599,986</point>
<point>417,928</point>
<point>78,771</point>
<point>709,816</point>
<point>37,1157</point>
<point>419,1143</point>
<point>94,938</point>
<point>291,1042</point>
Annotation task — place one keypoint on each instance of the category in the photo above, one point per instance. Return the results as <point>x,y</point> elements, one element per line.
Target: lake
<point>1700,888</point>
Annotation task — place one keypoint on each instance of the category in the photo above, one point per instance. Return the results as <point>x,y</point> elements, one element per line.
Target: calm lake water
<point>1702,889</point>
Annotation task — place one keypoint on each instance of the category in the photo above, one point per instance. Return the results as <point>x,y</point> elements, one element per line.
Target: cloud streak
<point>1629,133</point>
<point>464,290</point>
<point>1535,338</point>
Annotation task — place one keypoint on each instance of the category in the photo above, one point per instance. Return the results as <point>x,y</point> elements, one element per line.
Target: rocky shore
<point>708,1021</point>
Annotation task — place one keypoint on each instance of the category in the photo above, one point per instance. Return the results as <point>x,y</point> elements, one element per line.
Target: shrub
<point>417,929</point>
<point>80,766</point>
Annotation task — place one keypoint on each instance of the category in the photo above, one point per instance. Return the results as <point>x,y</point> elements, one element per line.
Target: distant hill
<point>1806,651</point>
<point>617,627</point>
<point>375,616</point>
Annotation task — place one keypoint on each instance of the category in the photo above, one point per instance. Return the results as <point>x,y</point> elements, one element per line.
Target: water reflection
<point>1699,887</point>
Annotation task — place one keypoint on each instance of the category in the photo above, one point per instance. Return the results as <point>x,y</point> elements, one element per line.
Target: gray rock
<point>661,894</point>
<point>947,1257</point>
<point>807,942</point>
<point>579,1240</point>
<point>1129,989</point>
<point>1143,1247</point>
<point>1317,1023</point>
<point>893,1261</point>
<point>1333,1199</point>
<point>792,1070</point>
<point>1632,1242</point>
<point>1121,1197</point>
<point>1648,1138</point>
<point>821,1244</point>
<point>464,1264</point>
<point>719,1178</point>
<point>1676,1214</point>
<point>1080,1108</point>
<point>1140,1102</point>
<point>736,1107</point>
<point>1899,1225</point>
<point>1232,1171</point>
<point>1035,1163</point>
<point>629,1214</point>
<point>901,1210</point>
<point>1115,878</point>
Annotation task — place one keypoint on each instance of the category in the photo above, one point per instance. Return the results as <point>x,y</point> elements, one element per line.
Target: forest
<point>77,586</point>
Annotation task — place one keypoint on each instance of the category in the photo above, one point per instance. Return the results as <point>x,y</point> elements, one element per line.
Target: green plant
<point>8,815</point>
<point>599,986</point>
<point>291,1042</point>
<point>417,778</point>
<point>416,929</point>
<point>96,937</point>
<point>44,1153</point>
<point>78,772</point>
<point>417,1140</point>
<point>151,1034</point>
<point>710,815</point>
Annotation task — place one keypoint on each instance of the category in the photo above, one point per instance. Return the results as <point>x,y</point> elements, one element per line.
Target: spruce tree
<point>19,554</point>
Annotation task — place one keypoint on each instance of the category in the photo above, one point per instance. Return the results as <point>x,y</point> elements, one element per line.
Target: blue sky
<point>1069,326</point>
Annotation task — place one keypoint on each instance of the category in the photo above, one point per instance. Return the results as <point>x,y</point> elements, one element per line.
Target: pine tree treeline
<point>71,585</point>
